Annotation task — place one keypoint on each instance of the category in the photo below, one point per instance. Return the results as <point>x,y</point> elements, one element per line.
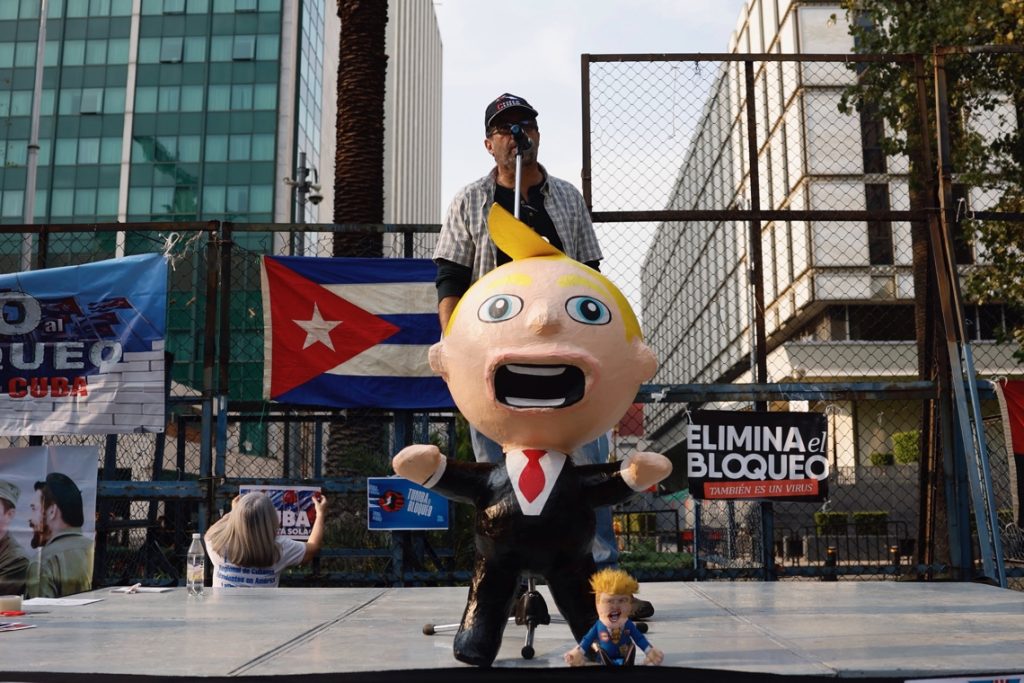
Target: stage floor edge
<point>714,631</point>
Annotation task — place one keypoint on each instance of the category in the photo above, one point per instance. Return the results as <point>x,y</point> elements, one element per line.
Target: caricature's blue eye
<point>588,310</point>
<point>500,307</point>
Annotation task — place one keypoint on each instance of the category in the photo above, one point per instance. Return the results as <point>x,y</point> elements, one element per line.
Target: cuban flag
<point>351,332</point>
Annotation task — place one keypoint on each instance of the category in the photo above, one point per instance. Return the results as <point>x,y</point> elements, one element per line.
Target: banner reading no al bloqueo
<point>743,455</point>
<point>82,348</point>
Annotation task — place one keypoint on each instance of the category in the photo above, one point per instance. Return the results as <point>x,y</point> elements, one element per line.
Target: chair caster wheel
<point>428,629</point>
<point>527,652</point>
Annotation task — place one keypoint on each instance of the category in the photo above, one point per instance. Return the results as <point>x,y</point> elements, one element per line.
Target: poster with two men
<point>47,520</point>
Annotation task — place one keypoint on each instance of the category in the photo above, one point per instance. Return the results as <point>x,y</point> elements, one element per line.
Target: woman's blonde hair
<point>247,535</point>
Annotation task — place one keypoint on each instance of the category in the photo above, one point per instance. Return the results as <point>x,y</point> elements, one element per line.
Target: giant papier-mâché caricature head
<point>542,352</point>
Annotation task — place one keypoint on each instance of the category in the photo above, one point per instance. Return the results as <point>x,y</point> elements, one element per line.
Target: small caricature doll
<point>542,355</point>
<point>614,634</point>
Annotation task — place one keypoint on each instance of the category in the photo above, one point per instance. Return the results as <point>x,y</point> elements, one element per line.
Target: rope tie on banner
<point>170,241</point>
<point>174,250</point>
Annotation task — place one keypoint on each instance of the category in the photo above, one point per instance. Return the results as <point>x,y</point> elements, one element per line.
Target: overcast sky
<point>532,48</point>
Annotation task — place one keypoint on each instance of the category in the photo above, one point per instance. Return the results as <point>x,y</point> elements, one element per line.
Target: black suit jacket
<point>559,537</point>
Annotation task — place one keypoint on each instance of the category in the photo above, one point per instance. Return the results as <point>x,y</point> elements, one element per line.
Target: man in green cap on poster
<point>13,560</point>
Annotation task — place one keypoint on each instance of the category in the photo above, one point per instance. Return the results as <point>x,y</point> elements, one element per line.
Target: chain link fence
<point>768,233</point>
<point>770,243</point>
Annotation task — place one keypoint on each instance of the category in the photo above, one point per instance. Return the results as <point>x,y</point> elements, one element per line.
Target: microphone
<point>523,142</point>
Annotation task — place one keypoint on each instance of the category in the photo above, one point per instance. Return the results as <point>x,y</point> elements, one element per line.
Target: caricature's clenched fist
<point>645,469</point>
<point>417,462</point>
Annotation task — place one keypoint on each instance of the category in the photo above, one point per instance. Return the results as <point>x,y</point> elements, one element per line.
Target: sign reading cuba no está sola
<point>743,455</point>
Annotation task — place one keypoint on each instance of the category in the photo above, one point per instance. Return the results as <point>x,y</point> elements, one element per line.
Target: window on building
<point>244,49</point>
<point>96,51</point>
<point>871,133</point>
<point>110,150</point>
<point>237,199</point>
<point>88,150</point>
<point>174,6</point>
<point>91,101</point>
<point>168,98</point>
<point>245,5</point>
<point>171,50</point>
<point>12,203</point>
<point>74,53</point>
<point>191,98</point>
<point>881,323</point>
<point>876,197</point>
<point>987,322</point>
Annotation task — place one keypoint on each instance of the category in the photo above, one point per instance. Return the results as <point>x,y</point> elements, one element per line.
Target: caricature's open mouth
<point>538,386</point>
<point>614,615</point>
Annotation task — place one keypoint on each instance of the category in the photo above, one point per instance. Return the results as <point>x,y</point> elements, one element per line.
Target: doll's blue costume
<point>617,647</point>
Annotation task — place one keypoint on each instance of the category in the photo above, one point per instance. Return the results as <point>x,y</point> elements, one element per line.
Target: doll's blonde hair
<point>613,582</point>
<point>517,240</point>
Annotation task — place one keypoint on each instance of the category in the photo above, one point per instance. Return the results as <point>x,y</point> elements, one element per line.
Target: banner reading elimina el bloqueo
<point>744,455</point>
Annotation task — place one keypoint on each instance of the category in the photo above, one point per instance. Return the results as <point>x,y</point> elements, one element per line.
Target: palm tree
<point>359,191</point>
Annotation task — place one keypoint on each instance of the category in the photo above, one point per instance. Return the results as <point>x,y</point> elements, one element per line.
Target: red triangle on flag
<point>298,355</point>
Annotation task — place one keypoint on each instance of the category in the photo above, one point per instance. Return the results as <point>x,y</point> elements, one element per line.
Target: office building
<point>197,110</point>
<point>838,296</point>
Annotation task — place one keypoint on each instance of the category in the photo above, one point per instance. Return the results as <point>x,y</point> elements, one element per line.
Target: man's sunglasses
<point>506,128</point>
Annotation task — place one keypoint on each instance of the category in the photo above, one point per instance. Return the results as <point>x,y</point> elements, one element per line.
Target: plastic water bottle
<point>195,567</point>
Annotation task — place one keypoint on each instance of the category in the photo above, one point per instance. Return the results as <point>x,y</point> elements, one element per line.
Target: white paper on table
<point>58,602</point>
<point>141,589</point>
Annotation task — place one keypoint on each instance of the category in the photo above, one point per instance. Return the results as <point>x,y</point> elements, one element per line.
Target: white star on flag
<point>317,329</point>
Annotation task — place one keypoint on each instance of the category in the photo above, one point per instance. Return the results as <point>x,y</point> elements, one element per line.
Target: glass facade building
<point>177,111</point>
<point>186,110</point>
<point>168,114</point>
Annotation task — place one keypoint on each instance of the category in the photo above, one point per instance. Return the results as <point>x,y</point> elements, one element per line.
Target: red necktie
<point>531,480</point>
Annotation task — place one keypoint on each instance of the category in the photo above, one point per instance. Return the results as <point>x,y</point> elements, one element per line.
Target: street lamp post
<point>306,190</point>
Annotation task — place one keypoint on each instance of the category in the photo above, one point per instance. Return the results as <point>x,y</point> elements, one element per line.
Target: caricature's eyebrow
<point>521,279</point>
<point>576,280</point>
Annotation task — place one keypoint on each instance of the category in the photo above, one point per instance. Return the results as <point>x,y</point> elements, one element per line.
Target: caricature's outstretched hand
<point>574,657</point>
<point>417,462</point>
<point>654,656</point>
<point>644,469</point>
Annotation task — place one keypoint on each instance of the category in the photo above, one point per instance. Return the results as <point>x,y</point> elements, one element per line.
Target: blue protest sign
<point>397,504</point>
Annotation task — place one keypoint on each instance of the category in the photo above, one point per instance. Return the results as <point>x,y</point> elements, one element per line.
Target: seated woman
<point>245,549</point>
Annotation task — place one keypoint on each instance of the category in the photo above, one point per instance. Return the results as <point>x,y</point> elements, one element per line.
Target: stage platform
<point>713,631</point>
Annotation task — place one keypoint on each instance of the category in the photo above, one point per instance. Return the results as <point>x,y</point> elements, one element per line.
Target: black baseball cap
<point>505,102</point>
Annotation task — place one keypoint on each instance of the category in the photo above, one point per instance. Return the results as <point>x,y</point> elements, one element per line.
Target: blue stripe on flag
<point>415,328</point>
<point>346,391</point>
<point>327,271</point>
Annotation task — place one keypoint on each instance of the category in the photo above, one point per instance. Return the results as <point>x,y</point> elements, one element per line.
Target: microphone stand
<point>530,610</point>
<point>523,144</point>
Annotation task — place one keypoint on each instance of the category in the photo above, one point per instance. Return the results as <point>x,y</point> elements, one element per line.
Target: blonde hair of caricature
<point>613,582</point>
<point>247,536</point>
<point>517,240</point>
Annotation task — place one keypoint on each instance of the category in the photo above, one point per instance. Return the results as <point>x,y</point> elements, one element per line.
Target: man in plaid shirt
<point>555,209</point>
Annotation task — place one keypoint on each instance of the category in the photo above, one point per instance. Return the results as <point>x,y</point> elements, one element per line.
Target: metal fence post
<point>971,450</point>
<point>756,266</point>
<point>209,386</point>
